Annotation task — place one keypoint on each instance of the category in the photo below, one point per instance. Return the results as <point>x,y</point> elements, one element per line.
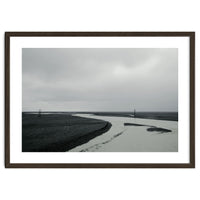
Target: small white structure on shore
<point>39,113</point>
<point>134,114</point>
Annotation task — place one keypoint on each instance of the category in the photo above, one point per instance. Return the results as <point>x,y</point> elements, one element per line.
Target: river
<point>121,138</point>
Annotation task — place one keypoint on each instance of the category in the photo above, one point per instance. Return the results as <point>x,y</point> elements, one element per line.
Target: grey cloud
<point>100,79</point>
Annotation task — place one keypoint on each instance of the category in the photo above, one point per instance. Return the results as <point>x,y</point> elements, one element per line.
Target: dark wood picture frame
<point>191,163</point>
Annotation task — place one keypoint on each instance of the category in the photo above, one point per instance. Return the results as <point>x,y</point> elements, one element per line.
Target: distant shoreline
<point>169,116</point>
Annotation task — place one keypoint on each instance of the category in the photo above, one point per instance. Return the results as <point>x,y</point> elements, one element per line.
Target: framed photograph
<point>99,100</point>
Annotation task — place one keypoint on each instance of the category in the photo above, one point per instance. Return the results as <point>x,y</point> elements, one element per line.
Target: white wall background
<point>104,15</point>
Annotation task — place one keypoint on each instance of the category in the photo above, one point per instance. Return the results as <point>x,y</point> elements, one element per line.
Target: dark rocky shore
<point>58,132</point>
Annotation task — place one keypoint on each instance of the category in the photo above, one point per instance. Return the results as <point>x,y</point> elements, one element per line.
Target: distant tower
<point>134,113</point>
<point>39,113</point>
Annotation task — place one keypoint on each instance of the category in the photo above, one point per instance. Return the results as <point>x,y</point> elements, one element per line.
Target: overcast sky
<point>100,79</point>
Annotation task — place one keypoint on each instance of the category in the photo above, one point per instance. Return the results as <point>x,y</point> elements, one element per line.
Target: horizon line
<point>99,111</point>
